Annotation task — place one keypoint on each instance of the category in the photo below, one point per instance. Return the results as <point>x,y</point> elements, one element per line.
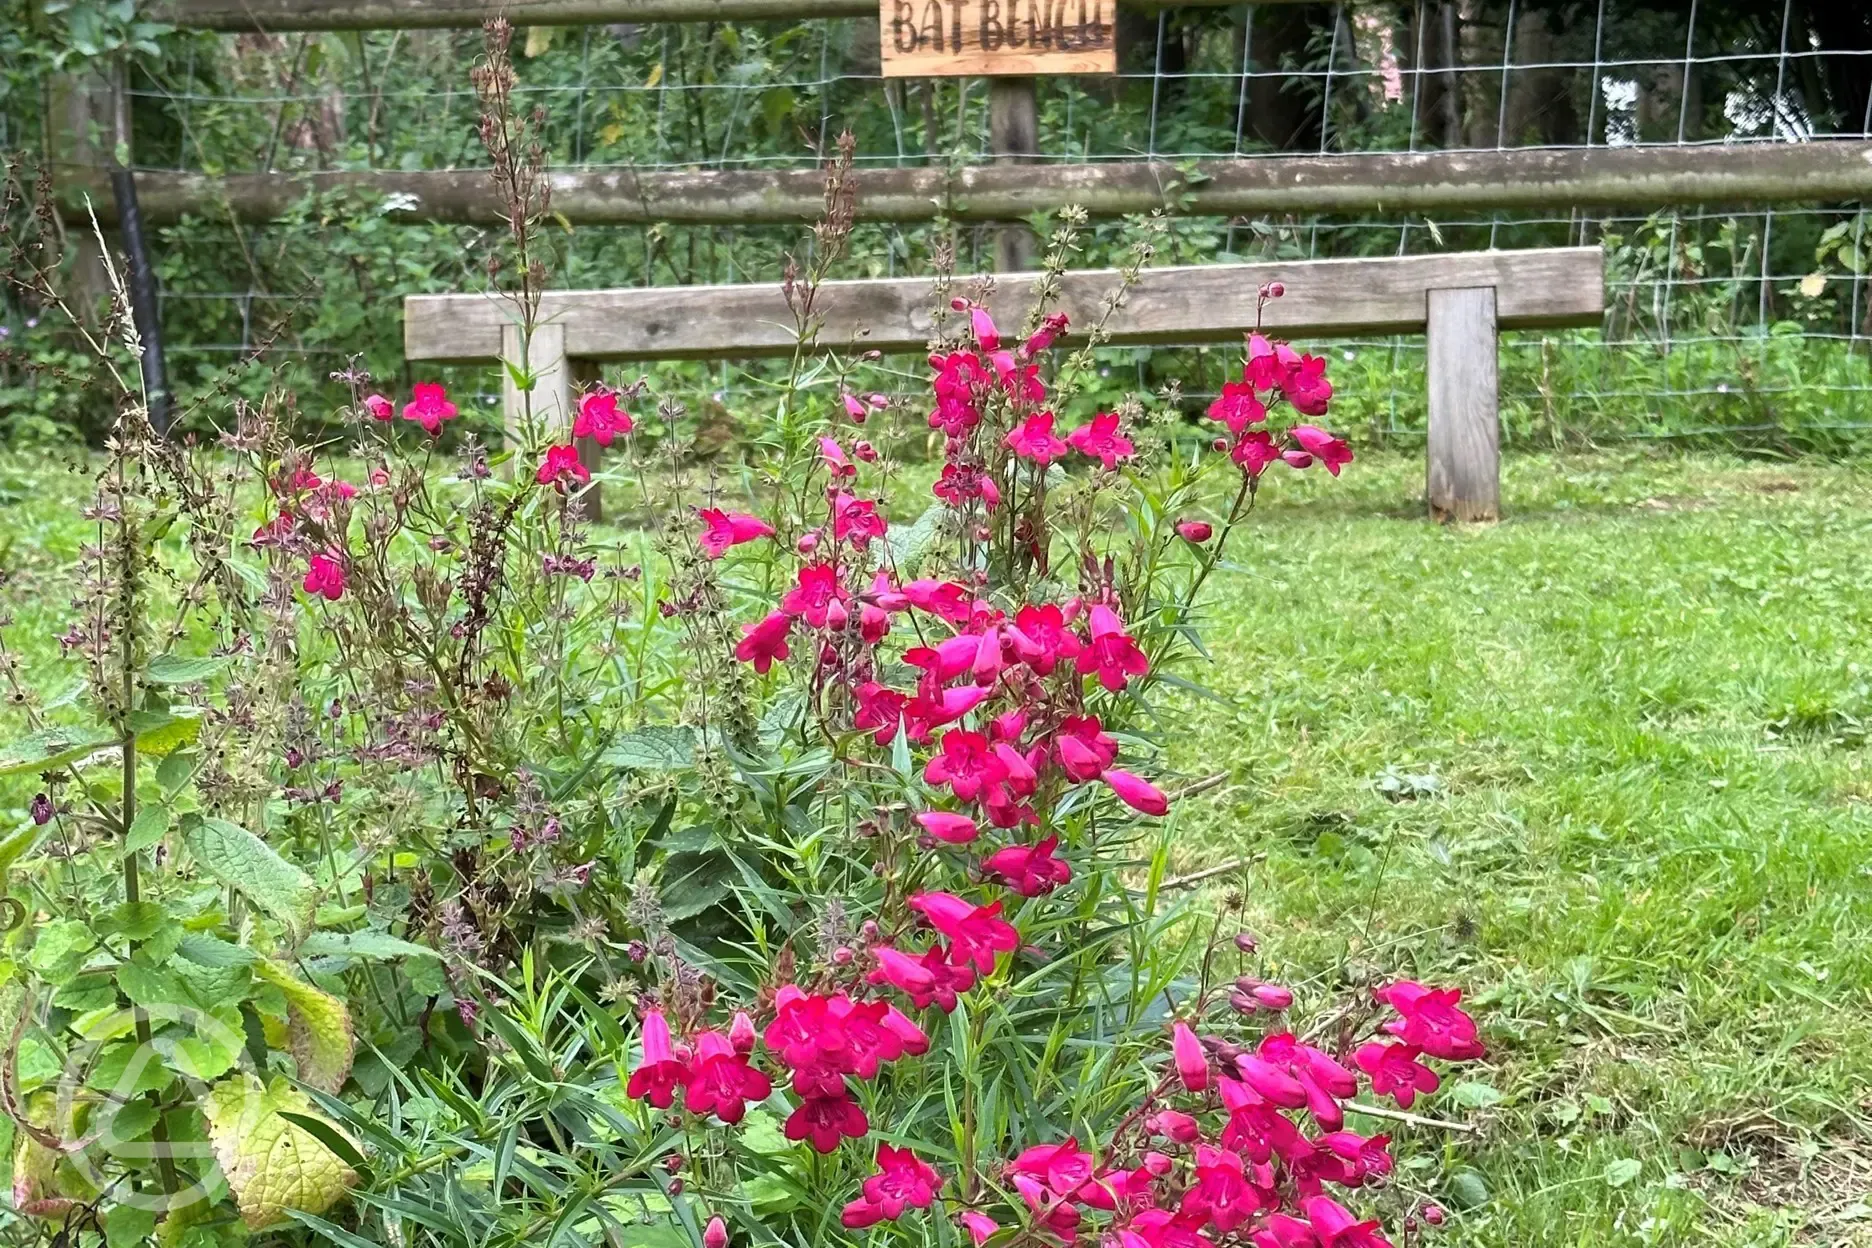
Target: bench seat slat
<point>1561,286</point>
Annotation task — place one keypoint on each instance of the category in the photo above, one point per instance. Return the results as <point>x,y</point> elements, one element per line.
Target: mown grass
<point>1602,763</point>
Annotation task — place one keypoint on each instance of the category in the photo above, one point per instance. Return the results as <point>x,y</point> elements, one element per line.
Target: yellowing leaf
<point>318,1028</point>
<point>270,1164</point>
<point>656,76</point>
<point>538,40</point>
<point>611,134</point>
<point>1813,284</point>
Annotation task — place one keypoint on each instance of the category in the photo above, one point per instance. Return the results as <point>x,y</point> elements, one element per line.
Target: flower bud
<point>1273,996</point>
<point>808,542</point>
<point>1246,942</point>
<point>870,931</point>
<point>864,452</point>
<point>1220,444</point>
<point>1242,1003</point>
<point>1158,1164</point>
<point>673,1163</point>
<point>715,1234</point>
<point>1178,1126</point>
<point>675,1187</point>
<point>741,1032</point>
<point>1276,290</point>
<point>1194,531</point>
<point>842,956</point>
<point>1433,1214</point>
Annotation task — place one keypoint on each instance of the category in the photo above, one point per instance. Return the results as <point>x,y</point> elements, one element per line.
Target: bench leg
<point>552,386</point>
<point>1465,426</point>
<point>586,373</point>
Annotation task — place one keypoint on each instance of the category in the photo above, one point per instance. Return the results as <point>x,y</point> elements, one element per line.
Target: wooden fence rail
<point>412,14</point>
<point>1460,300</point>
<point>1424,182</point>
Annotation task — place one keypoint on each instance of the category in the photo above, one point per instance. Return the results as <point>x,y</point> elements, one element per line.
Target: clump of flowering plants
<point>438,867</point>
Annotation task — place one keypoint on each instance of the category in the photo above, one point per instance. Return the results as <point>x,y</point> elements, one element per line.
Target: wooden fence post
<point>1465,428</point>
<point>80,129</point>
<point>552,385</point>
<point>1014,138</point>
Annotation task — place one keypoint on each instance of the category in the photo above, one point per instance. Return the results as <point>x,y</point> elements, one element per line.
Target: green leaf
<point>272,1165</point>
<point>128,1226</point>
<point>242,860</point>
<point>1467,1190</point>
<point>51,749</point>
<point>159,733</point>
<point>377,946</point>
<point>60,949</point>
<point>135,920</point>
<point>176,669</point>
<point>331,1137</point>
<point>1472,1095</point>
<point>153,988</point>
<point>692,883</point>
<point>211,951</point>
<point>319,1025</point>
<point>150,826</point>
<point>653,748</point>
<point>1623,1171</point>
<point>18,844</point>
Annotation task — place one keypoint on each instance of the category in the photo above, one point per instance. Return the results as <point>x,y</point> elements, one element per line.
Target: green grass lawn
<point>1604,763</point>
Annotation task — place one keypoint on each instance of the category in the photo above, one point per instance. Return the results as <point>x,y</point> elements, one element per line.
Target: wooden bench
<point>1460,300</point>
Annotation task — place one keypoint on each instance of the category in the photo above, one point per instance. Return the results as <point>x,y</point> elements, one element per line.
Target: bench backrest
<point>1202,303</point>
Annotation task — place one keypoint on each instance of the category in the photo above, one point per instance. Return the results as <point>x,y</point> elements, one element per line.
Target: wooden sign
<point>950,38</point>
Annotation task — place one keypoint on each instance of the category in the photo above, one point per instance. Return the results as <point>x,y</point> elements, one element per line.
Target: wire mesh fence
<point>1732,324</point>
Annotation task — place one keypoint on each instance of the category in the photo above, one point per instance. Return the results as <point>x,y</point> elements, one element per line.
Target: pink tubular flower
<point>1254,451</point>
<point>765,641</point>
<point>1135,792</point>
<point>1111,652</point>
<point>1191,1062</point>
<point>1330,451</point>
<point>562,467</point>
<point>656,1078</point>
<point>903,1181</point>
<point>429,407</point>
<point>1306,387</point>
<point>724,529</point>
<point>979,1225</point>
<point>1395,1071</point>
<point>1432,1021</point>
<point>975,933</point>
<point>856,520</point>
<point>1194,531</point>
<point>1176,1126</point>
<point>599,418</point>
<point>1083,748</point>
<point>721,1081</point>
<point>379,407</point>
<point>948,827</point>
<point>715,1234</point>
<point>1063,1168</point>
<point>1262,369</point>
<point>1222,1194</point>
<point>950,980</point>
<point>947,600</point>
<point>966,764</point>
<point>1049,640</point>
<point>987,337</point>
<point>1101,440</point>
<point>1043,338</point>
<point>823,1121</point>
<point>1337,1228</point>
<point>814,595</point>
<point>835,459</point>
<point>1237,407</point>
<point>901,971</point>
<point>325,577</point>
<point>1030,870</point>
<point>1033,440</point>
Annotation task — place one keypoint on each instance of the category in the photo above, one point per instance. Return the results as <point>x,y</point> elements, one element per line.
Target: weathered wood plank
<point>1425,182</point>
<point>549,404</point>
<point>1464,471</point>
<point>419,14</point>
<point>1204,303</point>
<point>930,38</point>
